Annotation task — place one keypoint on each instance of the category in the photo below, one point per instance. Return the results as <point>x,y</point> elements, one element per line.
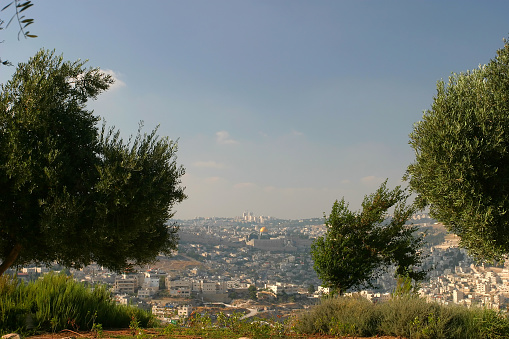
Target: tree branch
<point>11,258</point>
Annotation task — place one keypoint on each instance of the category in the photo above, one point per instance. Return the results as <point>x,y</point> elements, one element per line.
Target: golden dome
<point>263,229</point>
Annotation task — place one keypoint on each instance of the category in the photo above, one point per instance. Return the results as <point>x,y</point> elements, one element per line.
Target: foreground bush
<point>408,316</point>
<point>353,316</point>
<point>57,302</point>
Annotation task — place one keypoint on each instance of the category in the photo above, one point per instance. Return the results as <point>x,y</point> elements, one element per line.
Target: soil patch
<point>156,334</point>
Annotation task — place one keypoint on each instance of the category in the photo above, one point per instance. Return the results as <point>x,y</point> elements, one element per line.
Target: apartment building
<point>125,285</point>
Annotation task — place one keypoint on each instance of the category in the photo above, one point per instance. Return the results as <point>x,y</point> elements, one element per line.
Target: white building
<point>457,296</point>
<point>171,312</point>
<point>483,287</point>
<point>280,288</point>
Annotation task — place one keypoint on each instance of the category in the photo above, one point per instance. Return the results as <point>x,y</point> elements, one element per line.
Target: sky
<point>279,107</point>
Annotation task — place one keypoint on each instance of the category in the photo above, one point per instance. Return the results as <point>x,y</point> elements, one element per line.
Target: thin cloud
<point>118,83</point>
<point>212,180</point>
<point>209,164</point>
<point>223,138</point>
<point>244,185</point>
<point>371,179</point>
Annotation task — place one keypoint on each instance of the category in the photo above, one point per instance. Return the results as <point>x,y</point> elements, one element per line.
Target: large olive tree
<point>461,167</point>
<point>69,192</point>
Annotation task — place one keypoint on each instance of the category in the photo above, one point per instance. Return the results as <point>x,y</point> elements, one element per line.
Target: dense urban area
<point>262,265</point>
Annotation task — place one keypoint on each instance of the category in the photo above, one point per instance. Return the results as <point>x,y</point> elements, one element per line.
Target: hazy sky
<point>280,107</point>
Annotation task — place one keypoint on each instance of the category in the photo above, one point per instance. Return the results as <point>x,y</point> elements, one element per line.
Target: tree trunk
<point>10,259</point>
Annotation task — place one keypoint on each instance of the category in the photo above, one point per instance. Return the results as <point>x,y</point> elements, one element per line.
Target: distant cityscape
<point>261,259</point>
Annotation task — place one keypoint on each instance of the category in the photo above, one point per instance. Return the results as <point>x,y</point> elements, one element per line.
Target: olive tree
<point>461,167</point>
<point>360,246</point>
<point>71,192</point>
<point>23,22</point>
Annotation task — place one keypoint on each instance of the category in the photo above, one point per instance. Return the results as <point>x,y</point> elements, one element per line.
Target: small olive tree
<point>359,246</point>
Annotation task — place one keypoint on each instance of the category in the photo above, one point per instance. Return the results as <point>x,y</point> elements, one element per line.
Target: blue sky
<point>280,107</point>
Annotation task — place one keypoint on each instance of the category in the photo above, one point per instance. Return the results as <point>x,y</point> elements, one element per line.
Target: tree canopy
<point>72,193</point>
<point>461,162</point>
<point>360,246</point>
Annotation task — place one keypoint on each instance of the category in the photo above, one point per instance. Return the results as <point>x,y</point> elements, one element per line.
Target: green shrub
<point>413,317</point>
<point>354,316</point>
<point>406,316</point>
<point>491,324</point>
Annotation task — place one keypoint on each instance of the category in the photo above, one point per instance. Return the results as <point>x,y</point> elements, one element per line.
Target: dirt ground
<point>153,334</point>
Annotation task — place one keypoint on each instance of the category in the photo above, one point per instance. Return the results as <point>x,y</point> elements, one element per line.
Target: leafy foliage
<point>70,193</point>
<point>462,151</point>
<point>23,21</point>
<point>359,246</point>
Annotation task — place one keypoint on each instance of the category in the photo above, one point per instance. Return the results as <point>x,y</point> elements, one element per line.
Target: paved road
<point>252,311</point>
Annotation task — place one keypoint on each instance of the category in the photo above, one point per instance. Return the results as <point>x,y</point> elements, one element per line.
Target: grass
<point>57,302</point>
